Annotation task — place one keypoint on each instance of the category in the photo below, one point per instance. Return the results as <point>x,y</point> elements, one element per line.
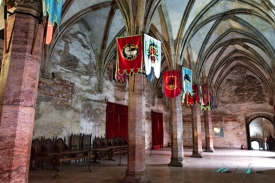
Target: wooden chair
<point>96,142</point>
<point>38,156</point>
<point>75,142</point>
<point>51,148</point>
<point>62,146</point>
<point>86,142</point>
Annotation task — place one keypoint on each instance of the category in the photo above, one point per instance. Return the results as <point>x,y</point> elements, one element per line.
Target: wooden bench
<point>116,145</point>
<point>55,152</point>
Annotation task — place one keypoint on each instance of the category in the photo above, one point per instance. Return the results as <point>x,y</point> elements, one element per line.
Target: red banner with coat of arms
<point>129,54</point>
<point>205,94</point>
<point>171,83</point>
<point>205,104</point>
<point>194,98</point>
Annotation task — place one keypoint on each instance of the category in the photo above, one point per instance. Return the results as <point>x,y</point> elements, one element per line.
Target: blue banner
<point>187,81</point>
<point>212,103</point>
<point>54,9</point>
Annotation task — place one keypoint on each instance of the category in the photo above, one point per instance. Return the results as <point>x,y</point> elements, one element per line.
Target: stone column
<point>208,131</point>
<point>196,125</point>
<point>176,130</point>
<point>136,172</point>
<point>19,81</point>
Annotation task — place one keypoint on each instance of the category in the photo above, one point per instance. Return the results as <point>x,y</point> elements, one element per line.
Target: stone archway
<point>250,117</point>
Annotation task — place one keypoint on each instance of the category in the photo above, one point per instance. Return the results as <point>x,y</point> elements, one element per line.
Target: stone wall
<point>239,94</point>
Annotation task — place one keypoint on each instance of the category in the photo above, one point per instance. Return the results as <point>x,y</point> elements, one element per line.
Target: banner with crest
<point>123,78</point>
<point>171,82</point>
<point>152,55</point>
<point>129,54</point>
<point>187,81</point>
<point>205,104</point>
<point>194,98</point>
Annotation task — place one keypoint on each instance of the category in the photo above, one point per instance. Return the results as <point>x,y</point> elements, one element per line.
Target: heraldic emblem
<point>130,52</point>
<point>171,82</point>
<point>152,52</point>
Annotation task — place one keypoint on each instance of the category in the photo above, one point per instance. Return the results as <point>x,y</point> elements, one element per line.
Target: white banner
<point>152,55</point>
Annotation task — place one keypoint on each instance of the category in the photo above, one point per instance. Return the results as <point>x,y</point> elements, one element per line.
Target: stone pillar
<point>19,81</point>
<point>196,125</point>
<point>208,131</point>
<point>176,130</point>
<point>136,172</point>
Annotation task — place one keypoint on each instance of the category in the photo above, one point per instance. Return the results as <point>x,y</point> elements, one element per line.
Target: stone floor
<point>196,170</point>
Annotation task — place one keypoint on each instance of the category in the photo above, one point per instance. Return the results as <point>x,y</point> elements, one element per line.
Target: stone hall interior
<point>63,85</point>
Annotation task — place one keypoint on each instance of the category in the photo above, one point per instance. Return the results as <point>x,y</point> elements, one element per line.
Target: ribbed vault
<point>211,37</point>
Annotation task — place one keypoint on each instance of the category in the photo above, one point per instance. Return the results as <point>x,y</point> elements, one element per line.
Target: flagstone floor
<point>260,166</point>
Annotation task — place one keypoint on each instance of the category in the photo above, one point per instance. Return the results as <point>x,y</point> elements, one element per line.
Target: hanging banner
<point>213,108</point>
<point>129,54</point>
<point>152,55</point>
<point>150,77</point>
<point>49,34</point>
<point>2,3</point>
<point>205,94</point>
<point>120,78</point>
<point>194,98</point>
<point>54,9</point>
<point>171,83</point>
<point>187,81</point>
<point>205,105</point>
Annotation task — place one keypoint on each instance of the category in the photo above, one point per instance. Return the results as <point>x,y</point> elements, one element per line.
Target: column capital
<point>33,7</point>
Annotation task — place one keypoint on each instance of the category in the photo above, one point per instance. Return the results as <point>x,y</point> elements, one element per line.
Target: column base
<point>136,177</point>
<point>209,149</point>
<point>177,162</point>
<point>197,154</point>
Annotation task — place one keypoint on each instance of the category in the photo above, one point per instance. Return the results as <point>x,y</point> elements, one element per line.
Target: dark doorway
<point>157,130</point>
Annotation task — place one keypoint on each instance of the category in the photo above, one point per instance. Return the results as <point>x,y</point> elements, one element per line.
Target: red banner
<point>190,100</point>
<point>120,78</point>
<point>205,94</point>
<point>129,54</point>
<point>171,82</point>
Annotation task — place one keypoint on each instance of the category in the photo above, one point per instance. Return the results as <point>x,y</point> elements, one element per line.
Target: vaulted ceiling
<point>212,37</point>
